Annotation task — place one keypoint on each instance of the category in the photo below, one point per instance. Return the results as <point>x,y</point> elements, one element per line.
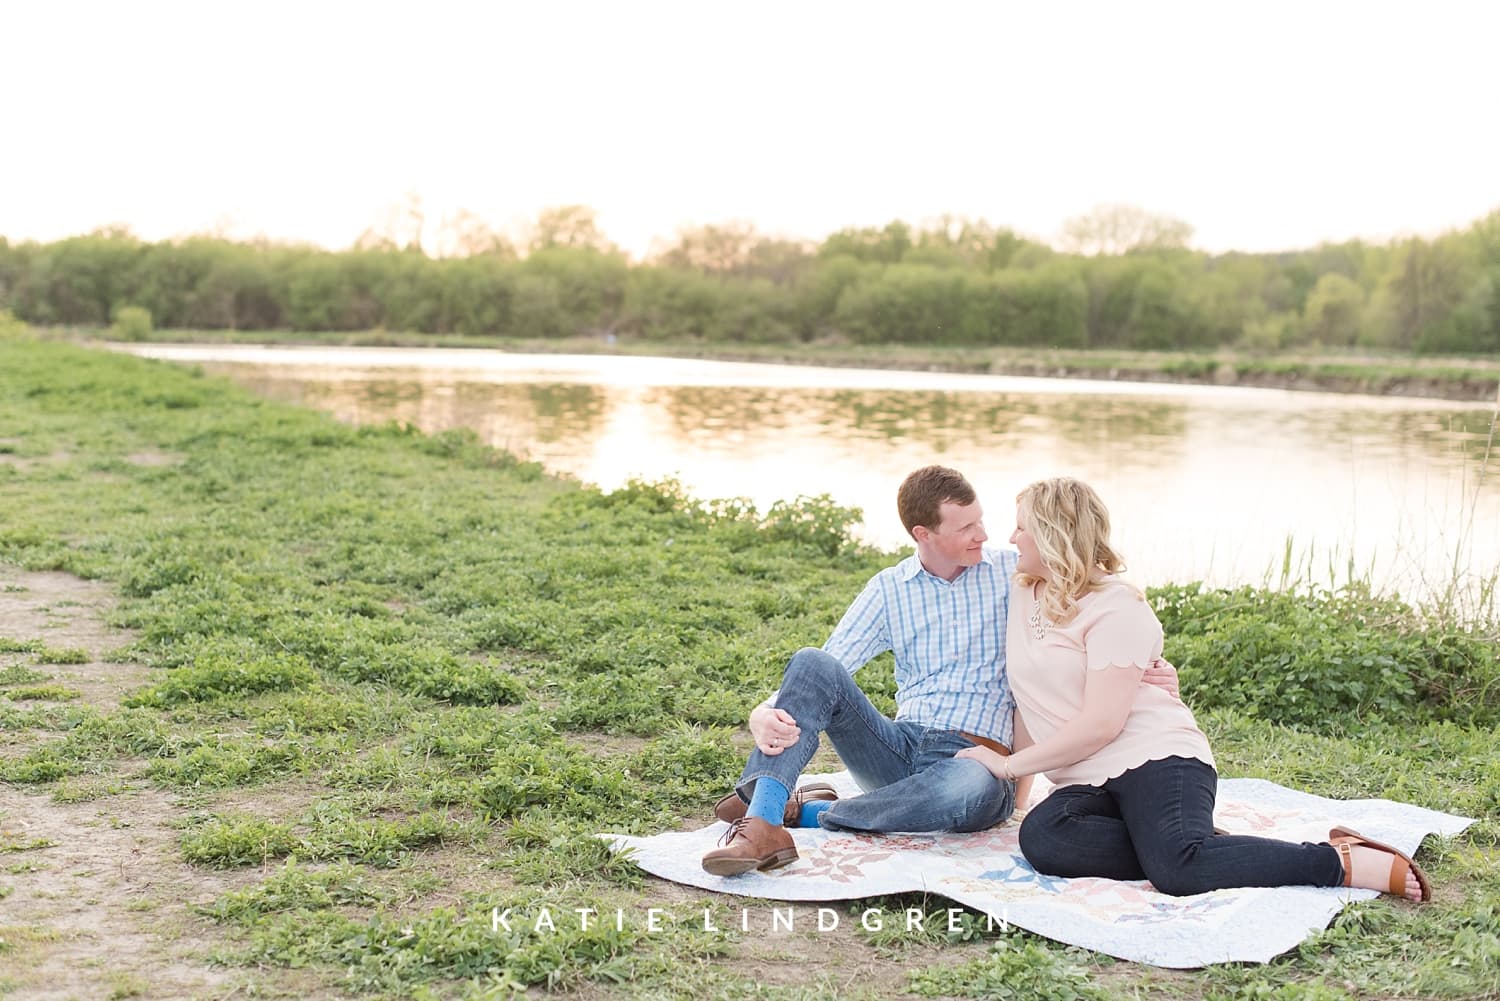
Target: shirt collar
<point>912,566</point>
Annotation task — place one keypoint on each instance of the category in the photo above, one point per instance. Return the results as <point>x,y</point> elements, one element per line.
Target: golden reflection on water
<point>1203,483</point>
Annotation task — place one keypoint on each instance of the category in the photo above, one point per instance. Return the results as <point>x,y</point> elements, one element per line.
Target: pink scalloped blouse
<point>1048,664</point>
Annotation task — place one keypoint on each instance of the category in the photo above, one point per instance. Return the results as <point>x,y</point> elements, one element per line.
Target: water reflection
<point>1204,483</point>
<point>515,416</point>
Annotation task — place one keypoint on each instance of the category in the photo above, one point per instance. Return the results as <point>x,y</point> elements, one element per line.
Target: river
<point>1204,483</point>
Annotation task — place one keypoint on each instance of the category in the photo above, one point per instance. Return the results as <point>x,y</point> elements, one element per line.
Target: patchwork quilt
<point>1128,920</point>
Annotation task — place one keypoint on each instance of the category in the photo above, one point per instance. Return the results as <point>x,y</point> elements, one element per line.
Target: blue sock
<point>812,811</point>
<point>769,801</point>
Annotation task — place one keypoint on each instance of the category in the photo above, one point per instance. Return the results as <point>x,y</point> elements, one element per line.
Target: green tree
<point>817,297</point>
<point>952,240</point>
<point>755,311</point>
<point>1432,297</point>
<point>1334,310</point>
<point>1047,306</point>
<point>1352,259</point>
<point>587,290</point>
<point>1483,239</point>
<point>399,289</point>
<point>319,293</point>
<point>1160,315</point>
<point>83,278</point>
<point>954,280</point>
<point>14,265</point>
<point>883,246</point>
<point>475,297</point>
<point>1005,247</point>
<point>908,303</point>
<point>1111,283</point>
<point>780,262</point>
<point>132,323</point>
<point>537,307</point>
<point>670,304</point>
<point>1220,304</point>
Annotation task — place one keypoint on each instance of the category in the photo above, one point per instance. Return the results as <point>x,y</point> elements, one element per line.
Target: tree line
<point>1119,278</point>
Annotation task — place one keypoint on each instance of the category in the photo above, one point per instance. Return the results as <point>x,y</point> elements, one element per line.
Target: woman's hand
<point>774,729</point>
<point>993,760</point>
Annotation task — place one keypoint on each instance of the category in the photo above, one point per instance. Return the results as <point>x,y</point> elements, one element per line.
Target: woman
<point>1135,777</point>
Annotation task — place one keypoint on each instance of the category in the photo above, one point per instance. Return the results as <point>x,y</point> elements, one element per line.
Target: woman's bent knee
<point>1040,842</point>
<point>1181,881</point>
<point>1174,885</point>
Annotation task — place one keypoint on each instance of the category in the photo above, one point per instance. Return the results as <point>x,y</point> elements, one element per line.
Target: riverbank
<point>1446,378</point>
<point>346,690</point>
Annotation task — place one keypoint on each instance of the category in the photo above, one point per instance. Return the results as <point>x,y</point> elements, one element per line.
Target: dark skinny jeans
<point>1156,822</point>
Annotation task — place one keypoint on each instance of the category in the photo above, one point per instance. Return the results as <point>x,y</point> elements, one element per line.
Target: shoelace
<point>734,829</point>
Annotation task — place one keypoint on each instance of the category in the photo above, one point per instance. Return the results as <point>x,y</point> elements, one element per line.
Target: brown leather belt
<point>993,745</point>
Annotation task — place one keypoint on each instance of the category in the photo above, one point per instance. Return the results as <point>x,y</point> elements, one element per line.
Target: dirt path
<point>94,900</point>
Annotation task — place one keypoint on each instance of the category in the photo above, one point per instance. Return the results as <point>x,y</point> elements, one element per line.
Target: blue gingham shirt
<point>948,638</point>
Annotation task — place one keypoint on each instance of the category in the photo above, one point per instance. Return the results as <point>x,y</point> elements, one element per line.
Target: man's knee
<point>813,662</point>
<point>980,800</point>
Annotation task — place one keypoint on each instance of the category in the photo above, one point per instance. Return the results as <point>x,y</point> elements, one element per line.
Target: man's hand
<point>1164,676</point>
<point>774,730</point>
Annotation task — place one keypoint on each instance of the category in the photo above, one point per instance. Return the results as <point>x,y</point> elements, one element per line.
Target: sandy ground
<point>102,908</point>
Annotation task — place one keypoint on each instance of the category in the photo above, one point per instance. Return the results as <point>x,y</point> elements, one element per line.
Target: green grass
<point>53,655</point>
<point>406,678</point>
<point>296,888</point>
<point>1007,971</point>
<point>17,674</point>
<point>48,693</point>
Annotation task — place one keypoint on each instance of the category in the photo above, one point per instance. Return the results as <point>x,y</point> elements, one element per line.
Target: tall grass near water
<point>1322,644</point>
<point>1465,592</point>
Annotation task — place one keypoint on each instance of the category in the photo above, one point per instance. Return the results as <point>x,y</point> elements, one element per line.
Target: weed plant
<point>51,655</point>
<point>49,693</point>
<point>410,677</point>
<point>17,674</point>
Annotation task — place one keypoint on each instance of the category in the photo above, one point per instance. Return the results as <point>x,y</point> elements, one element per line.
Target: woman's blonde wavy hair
<point>1070,525</point>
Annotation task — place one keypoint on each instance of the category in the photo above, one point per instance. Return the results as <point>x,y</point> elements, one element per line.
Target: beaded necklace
<point>1040,624</point>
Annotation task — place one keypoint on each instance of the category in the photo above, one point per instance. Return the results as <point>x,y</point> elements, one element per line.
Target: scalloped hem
<point>1106,667</point>
<point>1141,764</point>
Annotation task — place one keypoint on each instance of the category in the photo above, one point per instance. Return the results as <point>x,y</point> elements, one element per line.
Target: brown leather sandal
<point>1343,839</point>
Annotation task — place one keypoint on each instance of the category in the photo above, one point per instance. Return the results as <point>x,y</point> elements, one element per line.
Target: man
<point>942,612</point>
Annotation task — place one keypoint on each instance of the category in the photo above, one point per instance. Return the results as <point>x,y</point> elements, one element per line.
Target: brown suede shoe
<point>750,843</point>
<point>732,808</point>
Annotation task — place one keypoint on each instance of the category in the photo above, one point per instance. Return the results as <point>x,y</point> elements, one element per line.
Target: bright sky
<point>1265,125</point>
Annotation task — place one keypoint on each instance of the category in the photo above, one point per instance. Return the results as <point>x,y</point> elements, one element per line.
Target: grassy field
<point>1392,374</point>
<point>287,707</point>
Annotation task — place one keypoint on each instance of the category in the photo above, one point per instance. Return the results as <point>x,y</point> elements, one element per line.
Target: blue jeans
<point>1156,822</point>
<point>911,780</point>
